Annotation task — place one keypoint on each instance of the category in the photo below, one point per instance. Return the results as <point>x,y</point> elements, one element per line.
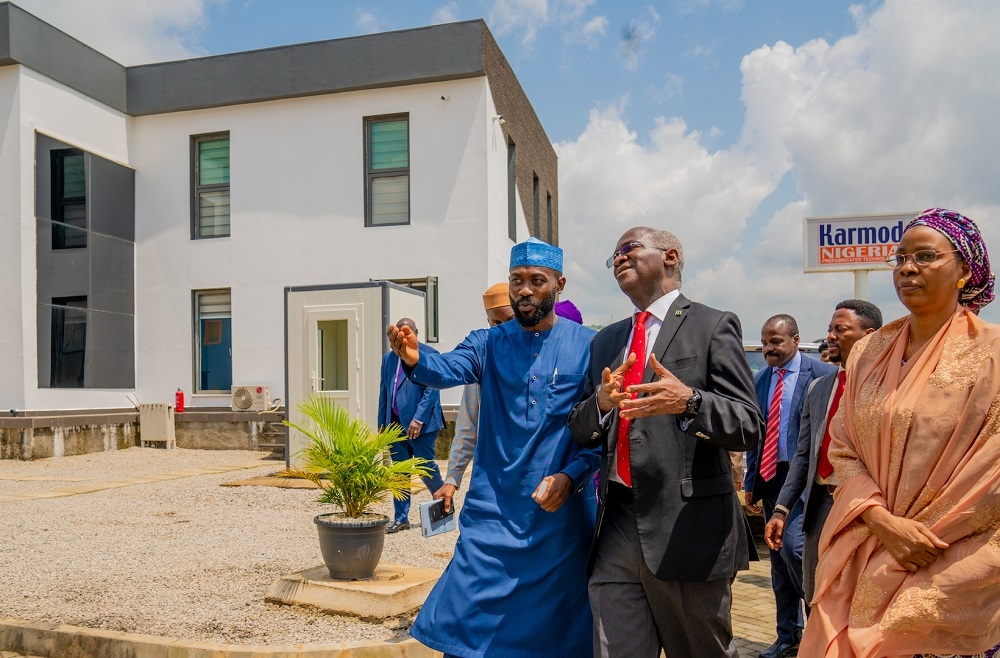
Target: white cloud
<point>127,31</point>
<point>571,10</point>
<point>671,87</point>
<point>702,50</point>
<point>894,117</point>
<point>446,13</point>
<point>639,32</point>
<point>527,15</point>
<point>588,34</point>
<point>366,21</point>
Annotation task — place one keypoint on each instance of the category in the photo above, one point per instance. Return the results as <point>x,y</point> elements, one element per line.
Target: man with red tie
<point>810,475</point>
<point>673,395</point>
<point>781,391</point>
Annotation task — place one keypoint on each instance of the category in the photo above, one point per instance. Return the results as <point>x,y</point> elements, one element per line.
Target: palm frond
<point>348,460</point>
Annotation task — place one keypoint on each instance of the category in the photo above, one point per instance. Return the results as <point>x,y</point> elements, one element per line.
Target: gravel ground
<point>183,558</point>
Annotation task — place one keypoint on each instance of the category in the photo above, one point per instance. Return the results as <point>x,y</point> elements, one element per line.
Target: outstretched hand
<point>610,394</point>
<point>403,342</point>
<point>665,395</point>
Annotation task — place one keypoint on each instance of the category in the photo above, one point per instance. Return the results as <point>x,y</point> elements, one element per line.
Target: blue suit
<point>414,402</point>
<point>786,564</point>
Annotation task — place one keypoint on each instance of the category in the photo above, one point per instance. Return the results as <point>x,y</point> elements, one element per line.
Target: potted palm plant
<point>349,462</point>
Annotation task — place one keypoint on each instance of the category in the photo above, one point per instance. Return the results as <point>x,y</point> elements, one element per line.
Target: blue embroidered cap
<point>535,253</point>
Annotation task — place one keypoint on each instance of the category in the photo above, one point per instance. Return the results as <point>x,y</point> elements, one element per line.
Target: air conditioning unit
<point>250,398</point>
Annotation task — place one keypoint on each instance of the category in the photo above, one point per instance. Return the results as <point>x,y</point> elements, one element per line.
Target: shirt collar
<point>659,308</point>
<point>791,366</point>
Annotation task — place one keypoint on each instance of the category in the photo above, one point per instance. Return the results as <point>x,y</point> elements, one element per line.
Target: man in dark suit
<point>670,531</point>
<point>810,475</point>
<point>417,409</point>
<point>781,390</point>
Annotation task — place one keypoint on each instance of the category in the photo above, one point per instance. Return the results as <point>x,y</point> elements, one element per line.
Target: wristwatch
<point>693,404</point>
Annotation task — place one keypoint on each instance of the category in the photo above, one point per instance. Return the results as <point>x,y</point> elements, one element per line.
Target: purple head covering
<point>567,309</point>
<point>964,234</point>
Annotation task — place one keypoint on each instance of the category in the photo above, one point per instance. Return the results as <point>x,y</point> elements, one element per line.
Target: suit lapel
<point>619,341</point>
<point>802,381</point>
<point>821,406</point>
<point>676,315</point>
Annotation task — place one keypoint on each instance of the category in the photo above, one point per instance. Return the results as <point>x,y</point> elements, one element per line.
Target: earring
<point>961,284</point>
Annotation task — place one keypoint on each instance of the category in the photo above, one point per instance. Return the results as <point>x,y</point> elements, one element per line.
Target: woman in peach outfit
<point>910,554</point>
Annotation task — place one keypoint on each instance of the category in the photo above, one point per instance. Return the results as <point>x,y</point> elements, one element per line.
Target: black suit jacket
<point>691,524</point>
<point>812,428</point>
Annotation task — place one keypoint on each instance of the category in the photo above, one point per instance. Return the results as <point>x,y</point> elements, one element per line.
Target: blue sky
<point>726,121</point>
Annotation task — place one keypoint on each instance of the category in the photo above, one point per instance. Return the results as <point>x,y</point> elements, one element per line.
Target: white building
<point>156,214</point>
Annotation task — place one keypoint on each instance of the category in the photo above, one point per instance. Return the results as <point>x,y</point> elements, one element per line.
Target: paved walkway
<point>753,601</point>
<point>91,486</point>
<point>753,607</point>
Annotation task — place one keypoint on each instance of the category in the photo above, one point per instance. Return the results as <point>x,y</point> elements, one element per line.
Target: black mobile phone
<point>437,512</point>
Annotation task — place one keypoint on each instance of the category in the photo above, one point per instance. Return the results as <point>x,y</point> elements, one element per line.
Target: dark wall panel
<point>112,198</point>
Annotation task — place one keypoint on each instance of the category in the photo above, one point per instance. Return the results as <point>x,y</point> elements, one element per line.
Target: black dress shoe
<point>396,526</point>
<point>781,649</point>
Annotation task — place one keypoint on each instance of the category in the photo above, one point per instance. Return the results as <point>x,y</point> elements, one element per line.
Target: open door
<point>334,342</point>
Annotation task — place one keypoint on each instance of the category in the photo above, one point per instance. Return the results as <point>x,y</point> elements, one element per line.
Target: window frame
<point>59,308</point>
<point>197,188</point>
<point>371,174</point>
<point>536,214</point>
<point>432,293</point>
<point>197,339</point>
<point>511,189</point>
<point>57,206</point>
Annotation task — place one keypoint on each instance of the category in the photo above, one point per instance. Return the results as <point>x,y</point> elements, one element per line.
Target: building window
<point>429,285</point>
<point>69,341</point>
<point>511,191</point>
<point>69,199</point>
<point>536,215</point>
<point>387,171</point>
<point>210,178</point>
<point>334,342</point>
<point>213,341</point>
<point>548,219</point>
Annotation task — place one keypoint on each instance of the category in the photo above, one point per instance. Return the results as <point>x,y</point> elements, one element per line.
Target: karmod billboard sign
<point>840,244</point>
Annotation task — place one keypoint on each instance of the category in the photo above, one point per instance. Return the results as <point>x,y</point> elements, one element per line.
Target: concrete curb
<point>62,641</point>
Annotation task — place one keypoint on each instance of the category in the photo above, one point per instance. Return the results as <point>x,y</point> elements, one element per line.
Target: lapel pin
<point>677,313</point>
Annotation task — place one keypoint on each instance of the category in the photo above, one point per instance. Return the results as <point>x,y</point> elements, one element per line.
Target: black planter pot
<point>351,548</point>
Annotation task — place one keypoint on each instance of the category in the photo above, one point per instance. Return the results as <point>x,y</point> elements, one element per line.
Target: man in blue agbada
<point>517,584</point>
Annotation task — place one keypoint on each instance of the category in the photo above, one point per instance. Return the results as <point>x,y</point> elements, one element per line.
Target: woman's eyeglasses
<point>920,258</point>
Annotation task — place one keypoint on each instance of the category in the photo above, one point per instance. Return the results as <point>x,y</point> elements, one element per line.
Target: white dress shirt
<point>657,313</point>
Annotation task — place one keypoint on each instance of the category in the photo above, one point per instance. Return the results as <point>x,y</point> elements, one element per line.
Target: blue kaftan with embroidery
<point>517,584</point>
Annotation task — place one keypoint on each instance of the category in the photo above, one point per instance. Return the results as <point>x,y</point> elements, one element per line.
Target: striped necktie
<point>769,458</point>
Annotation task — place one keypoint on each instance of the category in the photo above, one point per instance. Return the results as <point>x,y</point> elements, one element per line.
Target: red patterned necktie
<point>632,376</point>
<point>769,458</point>
<point>824,467</point>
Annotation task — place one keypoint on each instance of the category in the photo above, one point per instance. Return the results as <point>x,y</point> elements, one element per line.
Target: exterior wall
<point>535,154</point>
<point>13,245</point>
<point>55,110</point>
<point>297,203</point>
<point>297,216</point>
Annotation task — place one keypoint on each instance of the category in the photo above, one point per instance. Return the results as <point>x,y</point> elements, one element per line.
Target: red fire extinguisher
<point>179,401</point>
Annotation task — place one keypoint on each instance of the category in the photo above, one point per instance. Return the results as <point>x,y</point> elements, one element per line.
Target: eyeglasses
<point>920,258</point>
<point>625,250</point>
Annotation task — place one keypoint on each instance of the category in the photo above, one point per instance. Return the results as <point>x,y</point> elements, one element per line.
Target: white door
<point>332,359</point>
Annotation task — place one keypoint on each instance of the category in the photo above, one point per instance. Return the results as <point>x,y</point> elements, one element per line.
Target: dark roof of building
<point>429,54</point>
